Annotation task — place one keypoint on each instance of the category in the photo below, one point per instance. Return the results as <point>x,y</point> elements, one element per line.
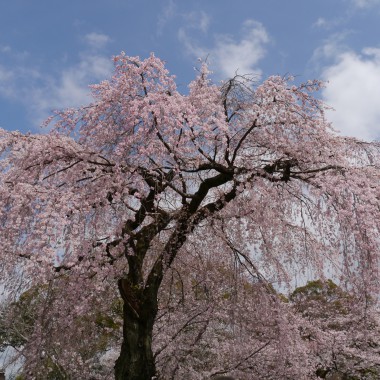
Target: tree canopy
<point>151,193</point>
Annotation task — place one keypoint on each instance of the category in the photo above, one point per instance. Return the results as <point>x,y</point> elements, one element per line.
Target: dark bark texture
<point>136,361</point>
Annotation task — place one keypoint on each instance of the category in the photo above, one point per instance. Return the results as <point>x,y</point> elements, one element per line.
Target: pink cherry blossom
<point>190,209</point>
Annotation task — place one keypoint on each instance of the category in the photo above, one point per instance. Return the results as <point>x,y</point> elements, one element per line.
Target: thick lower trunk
<point>136,361</point>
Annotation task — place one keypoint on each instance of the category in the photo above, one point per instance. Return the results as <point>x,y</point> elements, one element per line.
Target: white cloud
<point>198,20</point>
<point>12,77</point>
<point>365,3</point>
<point>6,75</point>
<point>321,23</point>
<point>40,92</point>
<point>168,12</point>
<point>5,48</point>
<point>354,92</point>
<point>331,23</point>
<point>329,51</point>
<point>230,54</point>
<point>71,87</point>
<point>96,40</point>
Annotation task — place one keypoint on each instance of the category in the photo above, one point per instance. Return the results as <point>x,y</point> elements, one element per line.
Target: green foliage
<point>336,312</point>
<point>321,299</point>
<point>316,288</point>
<point>22,313</point>
<point>102,327</point>
<point>54,372</point>
<point>283,298</point>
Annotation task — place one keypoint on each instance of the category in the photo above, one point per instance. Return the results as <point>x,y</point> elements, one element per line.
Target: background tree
<point>214,318</point>
<point>346,327</point>
<point>81,345</point>
<point>120,189</point>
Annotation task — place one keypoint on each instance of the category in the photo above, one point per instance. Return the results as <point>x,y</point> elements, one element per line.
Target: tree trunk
<point>136,361</point>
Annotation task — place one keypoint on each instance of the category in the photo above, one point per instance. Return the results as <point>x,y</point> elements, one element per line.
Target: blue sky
<point>51,50</point>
